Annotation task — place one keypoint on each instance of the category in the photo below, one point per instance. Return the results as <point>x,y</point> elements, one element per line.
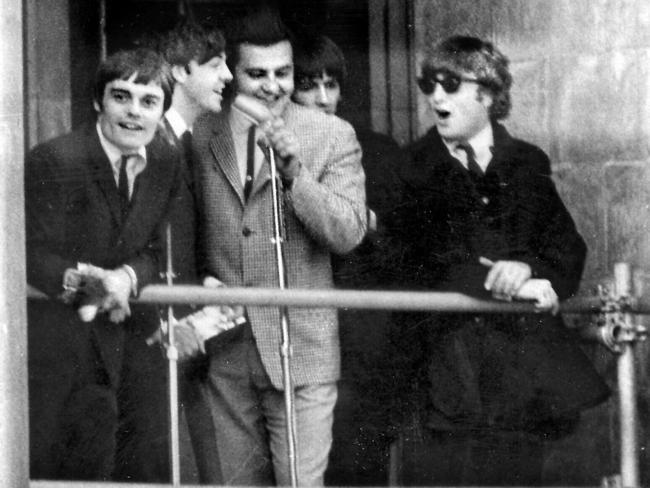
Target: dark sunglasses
<point>449,81</point>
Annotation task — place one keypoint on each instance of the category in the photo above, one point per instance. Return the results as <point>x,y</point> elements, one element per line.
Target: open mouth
<point>130,126</point>
<point>443,114</point>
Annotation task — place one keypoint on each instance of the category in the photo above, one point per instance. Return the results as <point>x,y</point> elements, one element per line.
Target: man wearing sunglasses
<point>479,214</point>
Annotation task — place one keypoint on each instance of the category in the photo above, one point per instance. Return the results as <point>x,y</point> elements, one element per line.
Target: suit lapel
<point>102,173</point>
<point>149,193</point>
<point>167,133</point>
<point>225,159</point>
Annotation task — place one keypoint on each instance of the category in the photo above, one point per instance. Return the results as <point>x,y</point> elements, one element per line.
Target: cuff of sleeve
<point>133,277</point>
<point>287,183</point>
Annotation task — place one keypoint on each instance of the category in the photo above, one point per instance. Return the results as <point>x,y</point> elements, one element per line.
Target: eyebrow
<point>265,70</point>
<point>125,91</point>
<point>120,91</point>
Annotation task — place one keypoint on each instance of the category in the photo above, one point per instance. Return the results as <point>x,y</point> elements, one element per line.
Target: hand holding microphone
<point>277,136</point>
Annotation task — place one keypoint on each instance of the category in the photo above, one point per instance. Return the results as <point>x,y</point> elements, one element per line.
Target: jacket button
<point>246,231</point>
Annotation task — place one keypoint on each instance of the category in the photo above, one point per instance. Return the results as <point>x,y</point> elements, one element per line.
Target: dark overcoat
<point>488,371</point>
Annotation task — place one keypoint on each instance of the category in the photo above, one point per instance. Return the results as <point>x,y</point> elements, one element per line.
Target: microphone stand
<point>172,356</point>
<point>285,346</point>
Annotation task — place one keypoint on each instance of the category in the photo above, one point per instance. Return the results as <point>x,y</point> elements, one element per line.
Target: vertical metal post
<point>172,357</point>
<point>627,388</point>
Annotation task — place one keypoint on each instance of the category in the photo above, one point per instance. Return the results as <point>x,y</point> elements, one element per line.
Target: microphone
<point>255,111</point>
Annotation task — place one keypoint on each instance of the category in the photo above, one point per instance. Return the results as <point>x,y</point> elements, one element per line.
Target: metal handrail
<point>446,302</point>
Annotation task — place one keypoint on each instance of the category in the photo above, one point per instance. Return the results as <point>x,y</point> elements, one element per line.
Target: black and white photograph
<point>325,243</point>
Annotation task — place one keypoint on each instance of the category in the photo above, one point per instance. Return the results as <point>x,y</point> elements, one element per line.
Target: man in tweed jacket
<point>319,160</point>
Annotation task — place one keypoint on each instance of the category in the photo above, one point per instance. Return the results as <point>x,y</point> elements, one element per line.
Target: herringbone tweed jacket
<point>324,213</point>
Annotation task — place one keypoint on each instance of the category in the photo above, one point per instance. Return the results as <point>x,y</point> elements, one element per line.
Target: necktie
<point>123,186</point>
<point>186,141</point>
<point>250,163</point>
<point>472,165</point>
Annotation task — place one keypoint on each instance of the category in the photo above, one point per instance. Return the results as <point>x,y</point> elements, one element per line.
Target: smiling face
<point>321,92</point>
<point>460,115</point>
<point>266,73</point>
<point>204,83</point>
<point>130,113</point>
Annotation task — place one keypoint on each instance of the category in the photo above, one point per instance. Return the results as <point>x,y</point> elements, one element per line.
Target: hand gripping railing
<point>613,325</point>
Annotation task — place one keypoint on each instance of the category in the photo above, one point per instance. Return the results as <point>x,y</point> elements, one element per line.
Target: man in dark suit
<point>318,158</point>
<point>96,202</point>
<point>197,60</point>
<point>198,63</point>
<point>479,214</point>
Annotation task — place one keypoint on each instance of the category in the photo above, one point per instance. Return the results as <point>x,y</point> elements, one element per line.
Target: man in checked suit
<point>318,158</point>
<point>97,196</point>
<point>198,66</point>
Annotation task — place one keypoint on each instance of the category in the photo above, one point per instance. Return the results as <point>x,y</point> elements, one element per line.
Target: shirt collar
<point>239,121</point>
<point>113,153</point>
<point>481,143</point>
<point>177,123</point>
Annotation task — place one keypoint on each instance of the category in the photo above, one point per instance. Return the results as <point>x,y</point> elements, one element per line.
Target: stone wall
<point>582,93</point>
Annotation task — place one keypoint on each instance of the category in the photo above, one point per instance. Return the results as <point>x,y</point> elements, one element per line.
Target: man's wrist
<point>288,179</point>
<point>132,277</point>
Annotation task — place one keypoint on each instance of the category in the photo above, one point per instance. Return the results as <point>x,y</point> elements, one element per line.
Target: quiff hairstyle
<point>471,55</point>
<point>259,26</point>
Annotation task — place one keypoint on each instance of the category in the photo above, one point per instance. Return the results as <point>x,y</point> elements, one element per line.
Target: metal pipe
<point>172,358</point>
<point>285,346</point>
<point>444,302</point>
<point>627,388</point>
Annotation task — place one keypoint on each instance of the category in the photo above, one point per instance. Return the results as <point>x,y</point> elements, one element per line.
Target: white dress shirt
<point>239,126</point>
<point>135,164</point>
<point>177,123</point>
<point>481,143</point>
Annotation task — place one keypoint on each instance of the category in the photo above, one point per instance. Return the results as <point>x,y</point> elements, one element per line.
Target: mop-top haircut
<point>190,41</point>
<point>145,63</point>
<point>315,55</point>
<point>470,55</point>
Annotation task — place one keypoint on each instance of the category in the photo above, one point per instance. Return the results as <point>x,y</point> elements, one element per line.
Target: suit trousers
<point>72,405</point>
<point>248,415</point>
<point>143,430</point>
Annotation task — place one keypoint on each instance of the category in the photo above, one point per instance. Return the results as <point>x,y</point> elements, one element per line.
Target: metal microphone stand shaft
<point>172,356</point>
<point>285,346</point>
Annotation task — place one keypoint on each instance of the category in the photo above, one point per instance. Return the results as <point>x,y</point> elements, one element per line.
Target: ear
<point>486,98</point>
<point>96,106</point>
<point>179,73</point>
